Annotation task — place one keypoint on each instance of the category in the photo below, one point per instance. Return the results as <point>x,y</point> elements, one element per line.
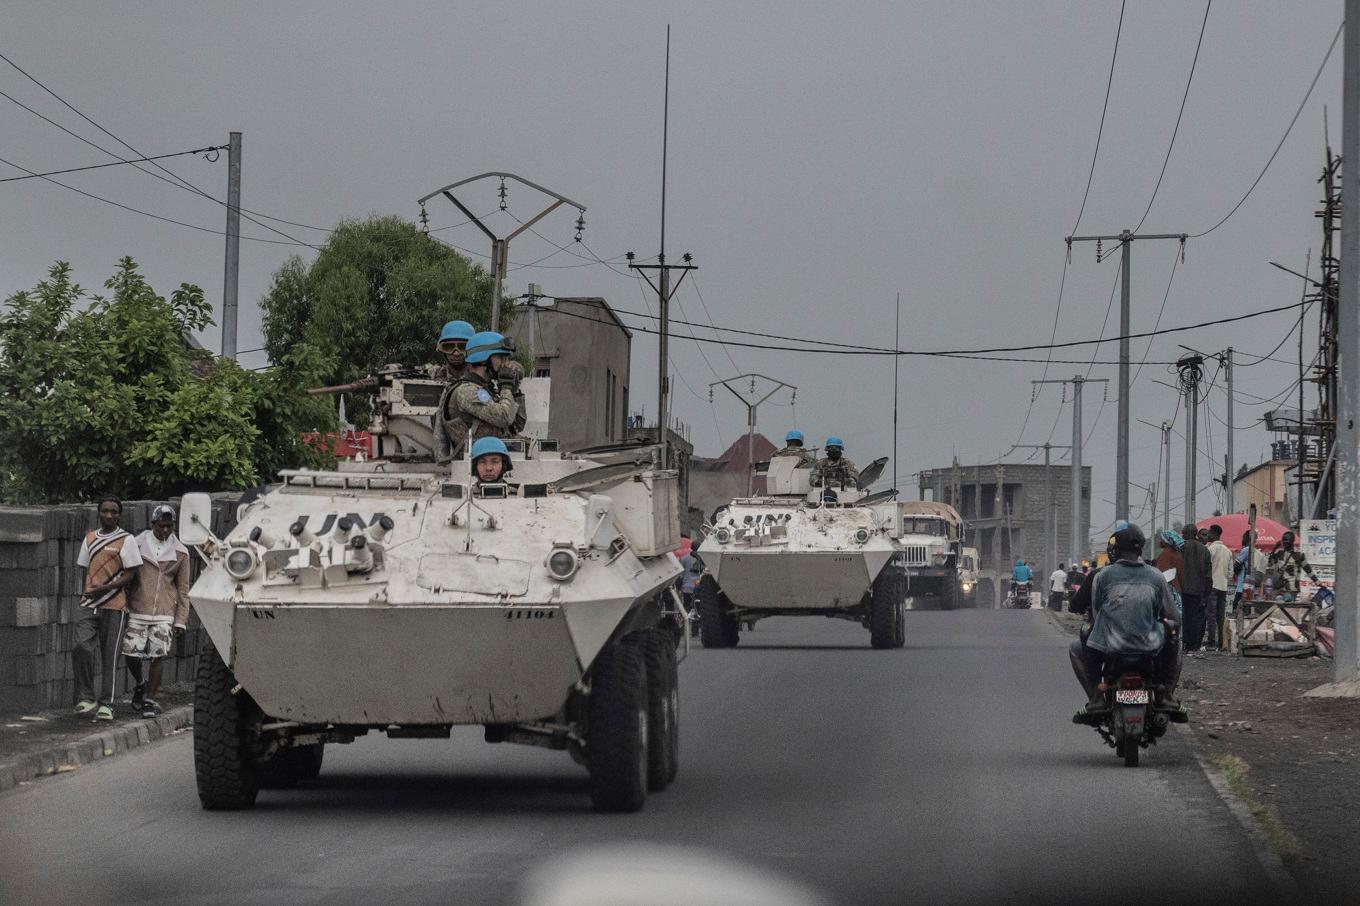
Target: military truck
<point>399,597</point>
<point>931,538</point>
<point>800,550</point>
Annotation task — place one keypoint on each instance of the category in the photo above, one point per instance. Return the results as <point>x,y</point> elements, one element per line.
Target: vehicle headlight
<point>723,536</point>
<point>562,564</point>
<point>240,563</point>
<point>968,586</point>
<point>861,536</point>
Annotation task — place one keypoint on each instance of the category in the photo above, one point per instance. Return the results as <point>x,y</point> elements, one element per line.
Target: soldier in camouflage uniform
<point>835,468</point>
<point>477,405</point>
<point>793,446</point>
<point>453,340</point>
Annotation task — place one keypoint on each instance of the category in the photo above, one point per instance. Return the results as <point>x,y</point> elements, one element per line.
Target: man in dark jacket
<point>1196,579</point>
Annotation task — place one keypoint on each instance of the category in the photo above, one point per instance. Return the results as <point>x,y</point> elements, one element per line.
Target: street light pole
<point>500,245</point>
<point>1077,382</point>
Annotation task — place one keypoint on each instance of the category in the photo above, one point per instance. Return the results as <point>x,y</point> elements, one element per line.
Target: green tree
<point>105,394</point>
<point>378,293</point>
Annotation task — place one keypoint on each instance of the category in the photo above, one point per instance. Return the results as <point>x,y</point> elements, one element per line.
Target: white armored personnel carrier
<point>800,550</point>
<point>405,598</point>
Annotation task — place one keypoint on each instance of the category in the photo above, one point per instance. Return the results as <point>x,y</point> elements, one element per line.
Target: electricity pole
<point>1126,240</point>
<point>751,406</point>
<point>1191,369</point>
<point>1077,544</point>
<point>232,277</point>
<point>500,246</point>
<point>1165,428</point>
<point>1347,654</point>
<point>1050,515</point>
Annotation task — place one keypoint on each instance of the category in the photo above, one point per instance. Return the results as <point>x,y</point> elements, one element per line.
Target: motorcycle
<point>1131,720</point>
<point>1019,597</point>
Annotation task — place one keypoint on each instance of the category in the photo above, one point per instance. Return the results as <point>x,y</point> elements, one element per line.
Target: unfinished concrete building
<point>1014,510</point>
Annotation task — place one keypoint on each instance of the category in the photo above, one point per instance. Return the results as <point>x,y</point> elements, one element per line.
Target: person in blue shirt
<point>1021,572</point>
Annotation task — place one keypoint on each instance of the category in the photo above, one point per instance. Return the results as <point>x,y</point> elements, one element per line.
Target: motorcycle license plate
<point>1131,696</point>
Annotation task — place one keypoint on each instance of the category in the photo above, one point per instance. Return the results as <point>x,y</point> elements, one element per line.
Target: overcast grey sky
<point>823,158</point>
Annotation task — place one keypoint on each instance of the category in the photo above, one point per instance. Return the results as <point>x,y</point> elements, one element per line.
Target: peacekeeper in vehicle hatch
<point>490,460</point>
<point>793,446</point>
<point>835,468</point>
<point>478,406</point>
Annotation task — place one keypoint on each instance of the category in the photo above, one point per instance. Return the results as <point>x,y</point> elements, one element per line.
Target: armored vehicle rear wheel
<point>887,621</point>
<point>222,769</point>
<point>663,707</point>
<point>718,627</point>
<point>616,742</point>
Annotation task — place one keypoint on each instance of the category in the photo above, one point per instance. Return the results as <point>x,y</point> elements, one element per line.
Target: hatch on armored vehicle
<point>800,550</point>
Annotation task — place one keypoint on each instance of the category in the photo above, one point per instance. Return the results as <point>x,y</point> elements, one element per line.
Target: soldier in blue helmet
<point>452,343</point>
<point>835,468</point>
<point>793,446</point>
<point>478,405</point>
<point>490,460</point>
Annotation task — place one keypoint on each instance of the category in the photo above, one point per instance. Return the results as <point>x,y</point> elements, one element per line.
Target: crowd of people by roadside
<point>134,604</point>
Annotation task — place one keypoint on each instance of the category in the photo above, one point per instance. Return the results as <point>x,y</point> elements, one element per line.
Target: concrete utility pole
<point>1050,509</point>
<point>751,406</point>
<point>1191,372</point>
<point>500,246</point>
<point>1347,655</point>
<point>1077,542</point>
<point>1230,472</point>
<point>1126,240</point>
<point>232,276</point>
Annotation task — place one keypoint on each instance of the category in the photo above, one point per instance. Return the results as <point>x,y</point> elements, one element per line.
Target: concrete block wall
<point>40,588</point>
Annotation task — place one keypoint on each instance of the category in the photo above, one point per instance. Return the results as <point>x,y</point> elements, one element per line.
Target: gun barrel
<point>362,384</point>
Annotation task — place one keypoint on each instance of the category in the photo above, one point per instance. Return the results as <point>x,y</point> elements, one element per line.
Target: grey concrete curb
<point>116,739</point>
<point>1270,860</point>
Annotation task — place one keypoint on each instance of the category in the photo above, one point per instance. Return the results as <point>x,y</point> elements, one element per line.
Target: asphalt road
<point>948,771</point>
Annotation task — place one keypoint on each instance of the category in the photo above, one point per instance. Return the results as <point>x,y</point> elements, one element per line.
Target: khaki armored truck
<point>931,537</point>
<point>800,550</point>
<point>406,598</point>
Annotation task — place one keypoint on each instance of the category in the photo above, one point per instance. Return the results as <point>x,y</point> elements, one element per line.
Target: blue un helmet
<point>489,446</point>
<point>794,437</point>
<point>834,441</point>
<point>482,346</point>
<point>460,331</point>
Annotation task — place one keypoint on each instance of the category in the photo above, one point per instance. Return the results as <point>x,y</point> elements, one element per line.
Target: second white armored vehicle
<point>405,598</point>
<point>800,550</point>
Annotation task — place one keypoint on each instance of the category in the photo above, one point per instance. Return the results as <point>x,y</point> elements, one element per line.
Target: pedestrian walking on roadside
<point>158,607</point>
<point>1168,558</point>
<point>1221,569</point>
<point>1195,581</point>
<point>110,559</point>
<point>1248,564</point>
<point>689,583</point>
<point>1057,583</point>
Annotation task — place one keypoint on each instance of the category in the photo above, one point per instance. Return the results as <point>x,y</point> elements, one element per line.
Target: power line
<point>119,204</point>
<point>116,163</point>
<point>1103,109</point>
<point>1327,56</point>
<point>175,176</point>
<point>1190,78</point>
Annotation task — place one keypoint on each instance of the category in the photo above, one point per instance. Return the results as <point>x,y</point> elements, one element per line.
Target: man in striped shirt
<point>110,559</point>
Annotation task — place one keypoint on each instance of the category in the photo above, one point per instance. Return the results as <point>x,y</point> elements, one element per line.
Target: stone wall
<point>39,589</point>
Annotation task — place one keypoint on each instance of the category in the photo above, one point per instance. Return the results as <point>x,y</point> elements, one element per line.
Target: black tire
<point>718,627</point>
<point>1131,749</point>
<point>618,733</point>
<point>309,760</point>
<point>885,614</point>
<point>949,596</point>
<point>663,702</point>
<point>223,771</point>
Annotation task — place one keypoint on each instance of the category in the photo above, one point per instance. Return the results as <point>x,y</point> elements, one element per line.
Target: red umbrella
<point>1268,531</point>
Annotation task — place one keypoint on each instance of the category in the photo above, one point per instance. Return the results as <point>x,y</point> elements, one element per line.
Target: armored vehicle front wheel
<point>616,741</point>
<point>718,627</point>
<point>222,767</point>
<point>663,706</point>
<point>887,617</point>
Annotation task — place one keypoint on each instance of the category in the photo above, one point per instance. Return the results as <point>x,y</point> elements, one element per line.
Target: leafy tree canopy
<point>105,394</point>
<point>378,292</point>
